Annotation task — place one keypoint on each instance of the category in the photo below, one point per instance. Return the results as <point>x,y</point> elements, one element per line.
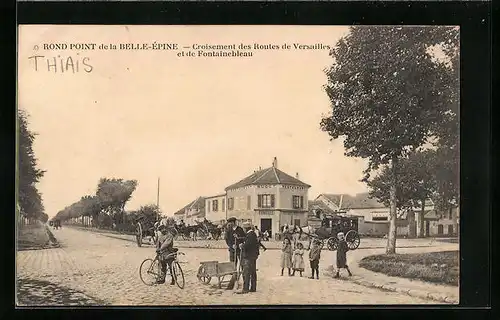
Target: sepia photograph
<point>232,165</point>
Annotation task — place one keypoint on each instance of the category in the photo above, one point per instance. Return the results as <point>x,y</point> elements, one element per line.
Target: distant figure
<point>342,249</point>
<point>286,256</point>
<point>298,259</point>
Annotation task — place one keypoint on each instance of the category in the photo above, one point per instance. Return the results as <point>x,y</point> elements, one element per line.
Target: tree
<point>113,194</point>
<point>387,94</point>
<point>416,183</point>
<point>29,199</point>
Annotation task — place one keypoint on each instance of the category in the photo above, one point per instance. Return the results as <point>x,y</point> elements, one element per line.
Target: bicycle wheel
<point>178,274</point>
<point>149,271</point>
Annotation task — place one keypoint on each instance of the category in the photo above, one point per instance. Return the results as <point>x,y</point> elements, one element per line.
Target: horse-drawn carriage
<point>145,229</point>
<point>331,225</point>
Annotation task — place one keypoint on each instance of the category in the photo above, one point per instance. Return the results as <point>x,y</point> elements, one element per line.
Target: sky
<point>197,123</point>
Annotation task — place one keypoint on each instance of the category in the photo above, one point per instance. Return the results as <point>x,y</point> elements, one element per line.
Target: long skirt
<point>286,260</point>
<point>298,262</point>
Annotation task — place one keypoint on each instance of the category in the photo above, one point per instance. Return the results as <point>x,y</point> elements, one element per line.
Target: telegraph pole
<point>158,201</point>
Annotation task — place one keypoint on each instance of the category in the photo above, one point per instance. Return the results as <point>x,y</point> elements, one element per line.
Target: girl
<point>286,256</point>
<point>298,259</point>
<point>342,255</point>
<point>314,256</point>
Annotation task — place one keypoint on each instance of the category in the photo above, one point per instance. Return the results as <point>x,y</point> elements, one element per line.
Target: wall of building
<point>221,213</point>
<point>286,194</point>
<point>240,196</point>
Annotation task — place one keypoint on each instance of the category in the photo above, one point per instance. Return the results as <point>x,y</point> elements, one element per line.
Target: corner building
<point>269,199</point>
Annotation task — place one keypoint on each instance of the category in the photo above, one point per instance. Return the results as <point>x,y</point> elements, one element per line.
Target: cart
<point>216,269</point>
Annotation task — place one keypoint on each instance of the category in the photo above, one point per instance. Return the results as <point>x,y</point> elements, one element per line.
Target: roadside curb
<point>439,297</point>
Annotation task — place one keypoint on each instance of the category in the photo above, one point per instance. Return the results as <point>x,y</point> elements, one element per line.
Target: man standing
<point>234,237</point>
<point>165,246</point>
<point>250,253</point>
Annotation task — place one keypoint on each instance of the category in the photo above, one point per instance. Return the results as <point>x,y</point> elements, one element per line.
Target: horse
<point>187,232</point>
<point>295,233</point>
<point>212,229</point>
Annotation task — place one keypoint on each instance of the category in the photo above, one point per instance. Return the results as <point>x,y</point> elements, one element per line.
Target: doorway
<point>266,224</point>
<point>427,229</point>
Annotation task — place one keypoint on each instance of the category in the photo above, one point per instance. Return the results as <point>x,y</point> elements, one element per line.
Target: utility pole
<point>158,201</point>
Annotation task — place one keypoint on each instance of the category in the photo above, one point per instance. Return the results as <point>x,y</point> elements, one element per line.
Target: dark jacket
<point>251,246</point>
<point>230,236</point>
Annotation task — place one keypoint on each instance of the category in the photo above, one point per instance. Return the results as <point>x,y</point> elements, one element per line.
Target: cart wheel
<point>138,235</point>
<point>202,276</point>
<point>332,244</point>
<point>178,274</point>
<point>149,271</point>
<point>352,239</point>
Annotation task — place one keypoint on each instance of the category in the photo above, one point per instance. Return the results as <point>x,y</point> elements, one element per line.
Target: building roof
<point>269,175</point>
<point>216,196</point>
<point>359,201</point>
<point>316,204</point>
<point>198,203</point>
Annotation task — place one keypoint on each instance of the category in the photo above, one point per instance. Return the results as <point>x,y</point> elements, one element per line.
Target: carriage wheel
<point>138,235</point>
<point>332,244</point>
<point>178,274</point>
<point>202,275</point>
<point>149,271</point>
<point>352,239</point>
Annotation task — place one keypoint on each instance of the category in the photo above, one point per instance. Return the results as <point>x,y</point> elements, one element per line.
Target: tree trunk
<point>391,238</point>
<point>421,216</point>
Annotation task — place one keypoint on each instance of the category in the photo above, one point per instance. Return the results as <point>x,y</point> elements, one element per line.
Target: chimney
<point>260,168</point>
<point>340,204</point>
<point>275,162</point>
<point>297,175</point>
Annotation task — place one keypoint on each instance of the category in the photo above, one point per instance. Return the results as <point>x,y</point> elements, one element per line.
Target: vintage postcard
<point>237,165</point>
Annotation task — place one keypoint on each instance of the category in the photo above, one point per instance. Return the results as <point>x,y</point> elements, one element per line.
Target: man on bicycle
<point>164,247</point>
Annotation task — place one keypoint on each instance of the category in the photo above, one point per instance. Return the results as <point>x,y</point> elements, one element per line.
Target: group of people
<point>244,244</point>
<point>292,259</point>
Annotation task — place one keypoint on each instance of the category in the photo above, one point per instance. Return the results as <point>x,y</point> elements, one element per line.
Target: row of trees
<point>107,206</point>
<point>394,93</point>
<point>30,204</point>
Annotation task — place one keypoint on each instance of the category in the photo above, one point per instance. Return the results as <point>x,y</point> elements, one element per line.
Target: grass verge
<point>37,236</point>
<point>435,267</point>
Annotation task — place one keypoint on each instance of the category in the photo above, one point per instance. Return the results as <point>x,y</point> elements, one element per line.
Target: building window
<point>450,214</point>
<point>230,204</point>
<point>379,218</point>
<point>208,206</point>
<point>223,204</point>
<point>249,202</point>
<point>215,205</point>
<point>296,222</point>
<point>265,201</point>
<point>298,202</point>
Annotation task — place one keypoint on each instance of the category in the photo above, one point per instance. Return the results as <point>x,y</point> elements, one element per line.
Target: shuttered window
<point>265,201</point>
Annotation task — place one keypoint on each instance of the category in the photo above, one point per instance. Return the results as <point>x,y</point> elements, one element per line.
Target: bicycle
<point>152,268</point>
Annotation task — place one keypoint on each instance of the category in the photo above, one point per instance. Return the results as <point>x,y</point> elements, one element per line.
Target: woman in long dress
<point>286,256</point>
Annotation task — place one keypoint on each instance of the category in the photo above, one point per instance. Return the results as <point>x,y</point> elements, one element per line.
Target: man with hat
<point>234,237</point>
<point>250,253</point>
<point>165,246</point>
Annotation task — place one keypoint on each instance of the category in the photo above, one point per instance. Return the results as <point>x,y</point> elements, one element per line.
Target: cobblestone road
<point>107,269</point>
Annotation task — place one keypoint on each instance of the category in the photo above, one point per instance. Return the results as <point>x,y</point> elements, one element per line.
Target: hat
<point>246,224</point>
<point>340,234</point>
<point>232,219</point>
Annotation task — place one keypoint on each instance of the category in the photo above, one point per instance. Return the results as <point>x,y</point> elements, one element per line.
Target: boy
<point>342,255</point>
<point>314,256</point>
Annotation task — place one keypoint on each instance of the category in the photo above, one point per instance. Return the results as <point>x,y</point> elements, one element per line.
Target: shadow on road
<point>42,293</point>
